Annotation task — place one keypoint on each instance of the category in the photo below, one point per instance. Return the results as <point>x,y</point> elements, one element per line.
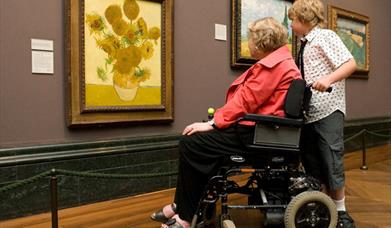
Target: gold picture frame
<point>119,61</point>
<point>353,29</point>
<point>245,11</point>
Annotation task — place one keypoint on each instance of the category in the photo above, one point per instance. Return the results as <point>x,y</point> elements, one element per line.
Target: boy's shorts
<point>322,146</point>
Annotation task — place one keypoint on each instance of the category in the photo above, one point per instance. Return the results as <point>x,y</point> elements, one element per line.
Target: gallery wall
<point>33,106</point>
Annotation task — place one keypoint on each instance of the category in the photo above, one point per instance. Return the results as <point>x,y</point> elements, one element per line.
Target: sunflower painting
<point>122,59</point>
<point>119,61</point>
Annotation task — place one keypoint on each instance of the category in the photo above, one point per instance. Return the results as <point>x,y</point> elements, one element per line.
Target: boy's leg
<point>330,143</point>
<point>331,146</point>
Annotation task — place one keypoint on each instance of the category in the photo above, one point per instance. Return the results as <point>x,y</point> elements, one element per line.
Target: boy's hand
<point>322,84</point>
<point>197,127</point>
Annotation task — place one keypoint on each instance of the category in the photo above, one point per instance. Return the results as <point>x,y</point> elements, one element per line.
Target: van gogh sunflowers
<point>126,41</point>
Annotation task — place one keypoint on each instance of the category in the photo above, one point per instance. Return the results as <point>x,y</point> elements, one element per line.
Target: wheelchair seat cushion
<point>294,99</point>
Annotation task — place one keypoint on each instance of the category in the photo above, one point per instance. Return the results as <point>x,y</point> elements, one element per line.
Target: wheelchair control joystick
<point>211,112</point>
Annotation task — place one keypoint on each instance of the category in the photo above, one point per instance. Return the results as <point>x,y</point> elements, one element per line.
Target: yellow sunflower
<point>113,13</point>
<point>120,27</point>
<point>141,75</point>
<point>125,80</point>
<point>131,33</point>
<point>95,23</point>
<point>147,50</point>
<point>131,9</point>
<point>109,45</point>
<point>142,26</point>
<point>127,58</point>
<point>146,75</point>
<point>154,33</point>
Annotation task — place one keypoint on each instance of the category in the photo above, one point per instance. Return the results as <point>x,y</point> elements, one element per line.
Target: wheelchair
<point>277,184</point>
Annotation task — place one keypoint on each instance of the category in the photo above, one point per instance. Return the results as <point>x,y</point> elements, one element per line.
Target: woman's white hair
<point>268,34</point>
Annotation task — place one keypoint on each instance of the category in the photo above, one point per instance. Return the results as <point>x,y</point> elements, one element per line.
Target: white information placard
<point>42,62</point>
<point>40,44</point>
<point>220,32</point>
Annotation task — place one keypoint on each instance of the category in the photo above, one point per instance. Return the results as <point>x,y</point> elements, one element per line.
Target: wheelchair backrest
<point>283,134</point>
<point>294,99</point>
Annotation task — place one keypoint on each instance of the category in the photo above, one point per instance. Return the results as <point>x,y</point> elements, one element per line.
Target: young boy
<point>326,62</point>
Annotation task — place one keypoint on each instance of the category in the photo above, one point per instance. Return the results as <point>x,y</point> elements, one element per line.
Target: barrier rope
<point>354,136</point>
<point>377,134</point>
<point>366,131</point>
<point>114,176</point>
<point>82,174</point>
<point>25,181</point>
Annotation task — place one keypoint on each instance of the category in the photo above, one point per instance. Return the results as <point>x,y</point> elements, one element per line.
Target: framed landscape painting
<point>353,29</point>
<point>119,61</point>
<point>245,11</point>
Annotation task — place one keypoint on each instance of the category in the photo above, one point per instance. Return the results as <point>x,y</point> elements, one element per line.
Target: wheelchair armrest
<point>272,120</point>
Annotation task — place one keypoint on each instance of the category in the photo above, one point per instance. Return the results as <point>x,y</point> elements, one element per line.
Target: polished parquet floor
<point>368,201</point>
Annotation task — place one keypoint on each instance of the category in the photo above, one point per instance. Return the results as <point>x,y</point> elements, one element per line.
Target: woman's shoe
<point>159,216</point>
<point>172,223</point>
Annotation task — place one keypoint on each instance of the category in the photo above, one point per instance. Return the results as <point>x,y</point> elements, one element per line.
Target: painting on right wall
<point>353,29</point>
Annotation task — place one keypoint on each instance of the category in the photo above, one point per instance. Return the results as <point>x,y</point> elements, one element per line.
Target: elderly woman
<point>203,146</point>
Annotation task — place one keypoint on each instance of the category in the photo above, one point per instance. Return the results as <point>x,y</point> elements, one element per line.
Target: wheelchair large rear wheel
<point>311,209</point>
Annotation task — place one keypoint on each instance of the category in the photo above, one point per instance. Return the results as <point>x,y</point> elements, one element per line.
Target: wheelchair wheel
<point>311,209</point>
<point>224,222</point>
<point>206,217</point>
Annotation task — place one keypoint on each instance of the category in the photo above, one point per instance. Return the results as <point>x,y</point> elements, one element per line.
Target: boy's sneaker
<point>344,220</point>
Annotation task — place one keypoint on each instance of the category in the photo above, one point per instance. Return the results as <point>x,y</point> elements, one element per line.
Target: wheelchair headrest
<point>294,99</point>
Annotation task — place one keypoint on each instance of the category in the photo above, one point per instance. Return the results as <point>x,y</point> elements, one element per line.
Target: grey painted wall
<point>32,107</point>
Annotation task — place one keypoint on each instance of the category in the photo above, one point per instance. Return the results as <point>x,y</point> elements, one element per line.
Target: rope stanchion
<point>363,147</point>
<point>363,133</point>
<point>53,198</point>
<point>364,152</point>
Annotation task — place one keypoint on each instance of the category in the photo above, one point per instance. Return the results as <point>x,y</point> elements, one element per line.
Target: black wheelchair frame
<point>277,185</point>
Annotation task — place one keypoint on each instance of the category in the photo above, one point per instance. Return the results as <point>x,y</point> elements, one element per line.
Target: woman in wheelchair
<point>204,145</point>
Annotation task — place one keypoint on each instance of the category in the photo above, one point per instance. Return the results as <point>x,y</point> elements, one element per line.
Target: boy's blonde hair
<point>308,11</point>
<point>267,33</point>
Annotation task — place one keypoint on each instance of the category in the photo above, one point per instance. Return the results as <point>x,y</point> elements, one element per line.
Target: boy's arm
<point>342,72</point>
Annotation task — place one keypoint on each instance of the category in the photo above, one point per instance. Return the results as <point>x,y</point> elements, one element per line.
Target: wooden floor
<point>368,201</point>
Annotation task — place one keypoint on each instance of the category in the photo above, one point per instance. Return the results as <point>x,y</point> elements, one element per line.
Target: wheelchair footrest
<point>274,206</point>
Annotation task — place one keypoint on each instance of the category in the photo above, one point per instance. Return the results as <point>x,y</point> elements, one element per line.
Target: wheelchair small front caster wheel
<point>225,221</point>
<point>228,224</point>
<point>311,209</point>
